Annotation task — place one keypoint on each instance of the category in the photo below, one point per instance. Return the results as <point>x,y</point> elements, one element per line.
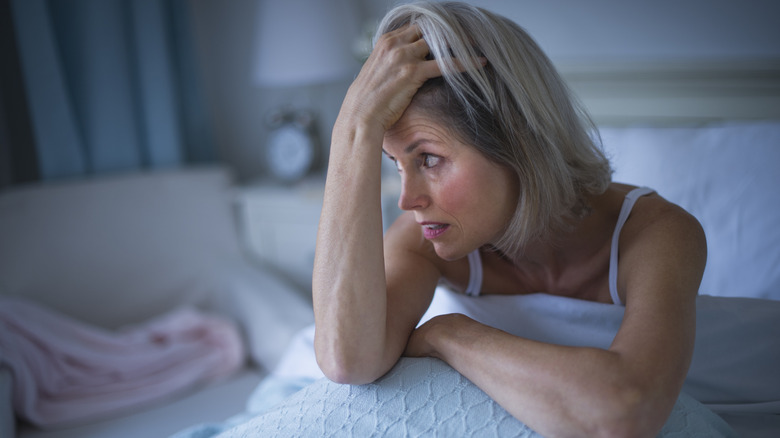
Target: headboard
<point>677,92</point>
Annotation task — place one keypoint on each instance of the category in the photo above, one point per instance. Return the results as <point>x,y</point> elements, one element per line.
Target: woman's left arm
<point>626,390</point>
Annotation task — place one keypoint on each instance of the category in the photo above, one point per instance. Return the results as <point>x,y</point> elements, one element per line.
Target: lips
<point>432,230</point>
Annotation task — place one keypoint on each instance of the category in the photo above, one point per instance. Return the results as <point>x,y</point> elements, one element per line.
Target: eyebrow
<point>409,149</point>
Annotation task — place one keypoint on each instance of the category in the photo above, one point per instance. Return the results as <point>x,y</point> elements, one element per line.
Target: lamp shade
<point>305,42</point>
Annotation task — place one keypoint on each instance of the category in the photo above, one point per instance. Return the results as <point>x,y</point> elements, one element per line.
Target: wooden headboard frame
<point>678,92</point>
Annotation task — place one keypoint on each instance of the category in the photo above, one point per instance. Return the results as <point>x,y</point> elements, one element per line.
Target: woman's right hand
<point>390,77</point>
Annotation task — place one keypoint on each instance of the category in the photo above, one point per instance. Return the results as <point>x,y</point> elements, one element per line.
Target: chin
<point>449,254</point>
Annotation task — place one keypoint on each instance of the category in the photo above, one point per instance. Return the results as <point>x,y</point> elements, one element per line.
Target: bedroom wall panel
<point>662,29</point>
<point>679,92</point>
<point>696,60</point>
<point>661,62</point>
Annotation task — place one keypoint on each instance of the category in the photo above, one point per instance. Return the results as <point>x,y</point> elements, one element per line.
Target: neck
<point>552,256</point>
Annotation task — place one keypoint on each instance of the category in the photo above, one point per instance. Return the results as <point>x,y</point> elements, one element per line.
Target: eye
<point>430,160</point>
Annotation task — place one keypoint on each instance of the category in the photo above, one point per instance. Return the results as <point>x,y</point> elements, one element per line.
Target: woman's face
<point>461,199</point>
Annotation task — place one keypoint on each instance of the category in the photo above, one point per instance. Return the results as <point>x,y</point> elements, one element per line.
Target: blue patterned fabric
<point>425,397</point>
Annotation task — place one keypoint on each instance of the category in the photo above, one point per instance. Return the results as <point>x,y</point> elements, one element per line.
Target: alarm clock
<point>291,150</point>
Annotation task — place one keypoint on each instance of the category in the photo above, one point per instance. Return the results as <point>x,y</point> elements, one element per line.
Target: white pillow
<point>269,309</point>
<point>727,175</point>
<point>118,249</point>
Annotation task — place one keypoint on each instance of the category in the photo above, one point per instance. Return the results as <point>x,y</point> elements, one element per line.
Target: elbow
<point>633,412</point>
<point>343,368</point>
<point>334,372</point>
<point>343,373</point>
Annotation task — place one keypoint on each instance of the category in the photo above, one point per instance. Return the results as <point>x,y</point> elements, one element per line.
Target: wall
<point>571,30</point>
<point>576,34</point>
<point>225,34</point>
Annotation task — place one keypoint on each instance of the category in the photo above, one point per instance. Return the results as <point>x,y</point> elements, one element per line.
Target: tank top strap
<point>625,211</point>
<point>474,287</point>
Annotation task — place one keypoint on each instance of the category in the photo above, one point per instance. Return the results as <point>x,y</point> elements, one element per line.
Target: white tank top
<point>474,287</point>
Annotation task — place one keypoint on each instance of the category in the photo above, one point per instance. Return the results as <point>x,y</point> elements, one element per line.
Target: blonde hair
<point>516,111</point>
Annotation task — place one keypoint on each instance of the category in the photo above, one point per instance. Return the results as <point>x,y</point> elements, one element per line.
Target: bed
<point>704,136</point>
<point>119,251</point>
<point>721,172</point>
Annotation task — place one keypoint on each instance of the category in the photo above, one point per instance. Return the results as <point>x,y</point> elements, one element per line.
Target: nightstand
<point>278,224</point>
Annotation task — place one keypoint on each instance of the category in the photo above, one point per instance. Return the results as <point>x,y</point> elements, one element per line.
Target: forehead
<point>414,127</point>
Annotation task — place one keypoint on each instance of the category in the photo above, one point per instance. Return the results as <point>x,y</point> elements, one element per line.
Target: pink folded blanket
<point>66,371</point>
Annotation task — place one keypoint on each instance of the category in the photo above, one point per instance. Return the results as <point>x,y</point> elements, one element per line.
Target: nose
<point>413,193</point>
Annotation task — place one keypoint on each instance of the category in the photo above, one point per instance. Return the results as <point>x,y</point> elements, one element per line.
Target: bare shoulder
<point>404,240</point>
<point>662,243</point>
<point>411,265</point>
<point>405,237</point>
<point>654,219</point>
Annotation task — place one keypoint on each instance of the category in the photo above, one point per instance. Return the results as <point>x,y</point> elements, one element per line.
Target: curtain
<point>110,85</point>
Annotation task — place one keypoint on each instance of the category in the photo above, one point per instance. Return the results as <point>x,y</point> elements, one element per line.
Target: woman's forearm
<point>349,288</point>
<point>349,283</point>
<point>557,390</point>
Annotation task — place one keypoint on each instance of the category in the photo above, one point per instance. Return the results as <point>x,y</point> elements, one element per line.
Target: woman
<point>500,179</point>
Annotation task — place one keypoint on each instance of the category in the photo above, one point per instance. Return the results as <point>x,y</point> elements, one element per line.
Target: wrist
<point>449,334</point>
<point>352,129</point>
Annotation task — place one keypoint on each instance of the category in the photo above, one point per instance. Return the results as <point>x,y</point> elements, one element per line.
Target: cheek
<point>456,193</point>
<point>488,195</point>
